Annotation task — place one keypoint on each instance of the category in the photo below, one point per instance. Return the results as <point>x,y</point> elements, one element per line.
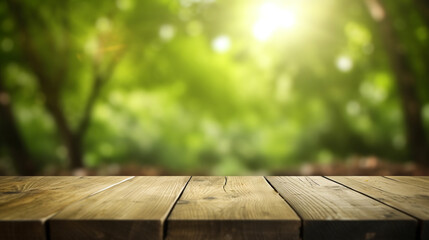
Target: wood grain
<point>136,209</point>
<point>416,181</point>
<point>409,198</point>
<point>26,202</point>
<point>332,211</point>
<point>231,208</point>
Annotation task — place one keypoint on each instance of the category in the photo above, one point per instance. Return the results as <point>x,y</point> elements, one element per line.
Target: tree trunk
<point>75,152</point>
<point>72,140</point>
<point>12,137</point>
<point>51,89</point>
<point>423,8</point>
<point>406,84</point>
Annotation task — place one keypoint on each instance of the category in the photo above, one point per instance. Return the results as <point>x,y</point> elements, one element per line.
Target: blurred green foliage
<point>196,87</point>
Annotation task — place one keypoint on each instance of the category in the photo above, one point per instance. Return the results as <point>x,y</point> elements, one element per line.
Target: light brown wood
<point>416,181</point>
<point>423,177</point>
<point>231,208</point>
<point>213,207</point>
<point>332,211</point>
<point>136,209</point>
<point>409,198</point>
<point>26,202</point>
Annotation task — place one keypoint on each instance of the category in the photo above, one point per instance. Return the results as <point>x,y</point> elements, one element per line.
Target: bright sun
<point>272,18</point>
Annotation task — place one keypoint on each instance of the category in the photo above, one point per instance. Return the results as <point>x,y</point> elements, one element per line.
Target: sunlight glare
<point>221,44</point>
<point>272,18</point>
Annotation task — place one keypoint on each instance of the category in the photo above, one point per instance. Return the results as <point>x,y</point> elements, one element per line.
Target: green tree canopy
<point>219,87</point>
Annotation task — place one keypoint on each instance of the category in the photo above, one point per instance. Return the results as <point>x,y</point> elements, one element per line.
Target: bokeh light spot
<point>344,63</point>
<point>221,44</point>
<point>167,32</point>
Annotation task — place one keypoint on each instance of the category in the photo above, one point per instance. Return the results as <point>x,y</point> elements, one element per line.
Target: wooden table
<point>184,207</point>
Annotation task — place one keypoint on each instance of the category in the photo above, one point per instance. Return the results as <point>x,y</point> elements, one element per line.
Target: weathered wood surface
<point>214,208</point>
<point>422,182</point>
<point>135,209</point>
<point>409,196</point>
<point>26,202</point>
<point>332,211</point>
<point>231,208</point>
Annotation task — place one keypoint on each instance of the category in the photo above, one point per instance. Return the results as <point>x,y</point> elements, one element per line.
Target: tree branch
<point>99,80</point>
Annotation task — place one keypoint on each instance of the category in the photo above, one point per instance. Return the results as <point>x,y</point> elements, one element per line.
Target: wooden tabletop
<point>183,207</point>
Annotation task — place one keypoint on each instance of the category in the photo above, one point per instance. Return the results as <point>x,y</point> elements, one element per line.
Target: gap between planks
<point>165,223</point>
<point>142,213</point>
<point>301,230</point>
<point>28,202</point>
<point>212,217</point>
<point>419,221</point>
<point>164,227</point>
<point>325,204</point>
<point>369,196</point>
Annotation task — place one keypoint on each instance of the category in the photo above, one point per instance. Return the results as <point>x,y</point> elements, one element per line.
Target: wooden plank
<point>408,198</point>
<point>232,208</point>
<point>26,202</point>
<point>332,211</point>
<point>416,181</point>
<point>134,210</point>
